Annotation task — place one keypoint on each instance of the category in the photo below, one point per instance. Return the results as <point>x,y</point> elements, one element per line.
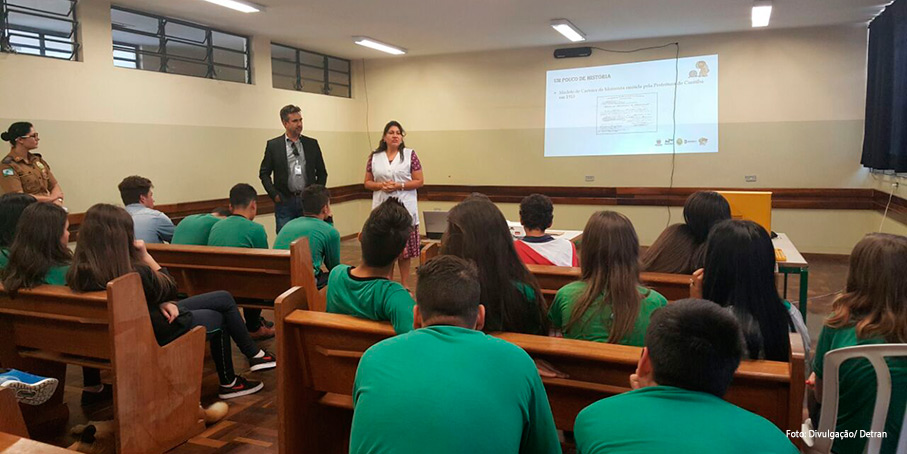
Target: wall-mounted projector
<point>570,52</point>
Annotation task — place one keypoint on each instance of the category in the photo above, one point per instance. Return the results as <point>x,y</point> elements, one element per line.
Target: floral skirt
<point>413,244</point>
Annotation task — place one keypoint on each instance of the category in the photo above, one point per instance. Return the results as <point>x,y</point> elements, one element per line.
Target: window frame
<point>7,32</point>
<point>164,39</point>
<point>324,67</point>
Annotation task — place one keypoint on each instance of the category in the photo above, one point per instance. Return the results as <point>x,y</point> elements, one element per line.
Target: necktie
<point>295,150</point>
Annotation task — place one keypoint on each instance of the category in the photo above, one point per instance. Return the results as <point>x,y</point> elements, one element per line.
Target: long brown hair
<point>106,250</point>
<point>477,231</point>
<point>610,267</point>
<point>875,298</point>
<point>37,247</point>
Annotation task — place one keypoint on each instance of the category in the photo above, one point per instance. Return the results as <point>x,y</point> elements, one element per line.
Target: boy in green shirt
<point>692,349</point>
<point>238,230</point>
<point>324,239</point>
<point>365,291</point>
<point>195,229</point>
<point>447,387</point>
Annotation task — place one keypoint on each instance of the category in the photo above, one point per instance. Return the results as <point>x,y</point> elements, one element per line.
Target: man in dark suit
<point>296,162</point>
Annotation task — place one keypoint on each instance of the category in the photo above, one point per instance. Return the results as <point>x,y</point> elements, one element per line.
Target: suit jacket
<point>275,161</point>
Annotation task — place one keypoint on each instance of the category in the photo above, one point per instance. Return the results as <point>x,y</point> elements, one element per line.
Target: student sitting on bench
<point>107,250</point>
<point>366,290</point>
<point>692,349</point>
<point>447,387</point>
<point>324,239</point>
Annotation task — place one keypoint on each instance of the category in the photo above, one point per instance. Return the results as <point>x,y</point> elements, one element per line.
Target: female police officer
<point>24,171</point>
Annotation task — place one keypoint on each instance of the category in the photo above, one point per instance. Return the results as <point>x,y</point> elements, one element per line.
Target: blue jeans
<point>288,209</point>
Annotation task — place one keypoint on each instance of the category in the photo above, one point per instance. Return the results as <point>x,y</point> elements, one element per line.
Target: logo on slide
<point>702,69</point>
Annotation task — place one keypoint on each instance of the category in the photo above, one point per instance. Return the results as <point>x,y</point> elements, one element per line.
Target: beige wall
<point>791,108</point>
<point>193,137</point>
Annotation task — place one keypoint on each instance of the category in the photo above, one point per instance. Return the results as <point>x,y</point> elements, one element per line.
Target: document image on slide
<point>629,109</point>
<point>619,114</point>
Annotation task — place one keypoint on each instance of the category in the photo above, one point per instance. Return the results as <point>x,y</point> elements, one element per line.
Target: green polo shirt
<point>56,275</point>
<point>445,389</point>
<point>194,229</point>
<point>857,390</point>
<point>374,298</point>
<point>324,240</point>
<point>593,326</point>
<point>665,419</point>
<point>237,231</point>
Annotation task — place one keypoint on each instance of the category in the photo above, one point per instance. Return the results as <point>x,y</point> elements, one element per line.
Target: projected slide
<point>629,108</point>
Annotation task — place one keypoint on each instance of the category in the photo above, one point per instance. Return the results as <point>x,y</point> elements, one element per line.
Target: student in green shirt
<point>872,310</point>
<point>365,291</point>
<point>324,239</point>
<point>477,231</point>
<point>608,304</point>
<point>692,349</point>
<point>447,387</point>
<point>11,206</point>
<point>195,229</point>
<point>239,230</point>
<point>39,253</point>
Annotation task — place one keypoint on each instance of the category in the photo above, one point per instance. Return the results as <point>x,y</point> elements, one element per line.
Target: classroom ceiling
<point>430,27</point>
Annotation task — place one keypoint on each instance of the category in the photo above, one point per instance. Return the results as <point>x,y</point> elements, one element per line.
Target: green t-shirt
<point>592,326</point>
<point>857,390</point>
<point>56,275</point>
<point>324,240</point>
<point>194,229</point>
<point>237,231</point>
<point>665,419</point>
<point>445,389</point>
<point>373,298</point>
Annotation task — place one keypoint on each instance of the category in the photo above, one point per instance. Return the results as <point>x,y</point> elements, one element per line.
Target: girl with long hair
<point>872,310</point>
<point>11,207</point>
<point>107,249</point>
<point>477,231</point>
<point>39,253</point>
<point>680,249</point>
<point>608,304</point>
<point>739,274</point>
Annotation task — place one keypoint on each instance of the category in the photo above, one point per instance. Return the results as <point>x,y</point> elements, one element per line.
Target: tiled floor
<point>251,425</point>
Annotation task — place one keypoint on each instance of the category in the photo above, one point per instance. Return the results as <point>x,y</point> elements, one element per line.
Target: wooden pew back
<point>321,351</point>
<point>156,389</point>
<point>552,278</point>
<point>259,274</point>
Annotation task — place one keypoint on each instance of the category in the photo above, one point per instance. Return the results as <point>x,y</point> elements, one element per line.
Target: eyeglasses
<point>31,136</point>
<point>396,133</point>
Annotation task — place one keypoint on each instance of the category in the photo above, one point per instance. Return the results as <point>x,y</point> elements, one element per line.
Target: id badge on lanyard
<point>297,169</point>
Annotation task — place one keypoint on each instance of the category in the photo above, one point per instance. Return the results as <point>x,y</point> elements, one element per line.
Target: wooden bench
<point>156,390</point>
<point>319,354</point>
<point>257,274</point>
<point>552,278</point>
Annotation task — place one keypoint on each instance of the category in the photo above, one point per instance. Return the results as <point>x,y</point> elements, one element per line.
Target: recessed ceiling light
<point>238,5</point>
<point>564,27</point>
<point>378,45</point>
<point>762,12</point>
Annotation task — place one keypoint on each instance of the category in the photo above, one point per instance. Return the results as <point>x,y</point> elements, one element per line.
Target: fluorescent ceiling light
<point>564,27</point>
<point>762,12</point>
<point>241,6</point>
<point>378,45</point>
